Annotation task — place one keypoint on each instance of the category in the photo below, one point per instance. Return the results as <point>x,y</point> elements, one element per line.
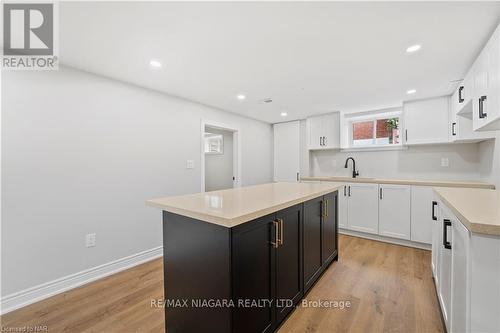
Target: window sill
<point>381,148</point>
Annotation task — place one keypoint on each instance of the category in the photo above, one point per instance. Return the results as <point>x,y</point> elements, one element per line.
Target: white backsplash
<point>421,162</point>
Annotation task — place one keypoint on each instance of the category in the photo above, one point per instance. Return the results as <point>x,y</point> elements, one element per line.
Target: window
<point>214,143</point>
<point>375,131</point>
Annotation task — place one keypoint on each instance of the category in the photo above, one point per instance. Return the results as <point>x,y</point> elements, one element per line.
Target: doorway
<point>220,157</point>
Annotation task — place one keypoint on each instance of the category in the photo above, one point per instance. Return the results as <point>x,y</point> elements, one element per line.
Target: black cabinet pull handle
<point>482,114</point>
<point>349,190</point>
<point>454,129</point>
<point>406,135</point>
<point>434,204</point>
<point>381,194</point>
<point>298,176</point>
<point>460,99</point>
<point>345,190</point>
<point>446,224</point>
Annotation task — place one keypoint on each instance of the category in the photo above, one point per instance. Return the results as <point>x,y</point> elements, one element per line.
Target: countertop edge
<point>473,227</point>
<point>235,221</point>
<point>415,182</point>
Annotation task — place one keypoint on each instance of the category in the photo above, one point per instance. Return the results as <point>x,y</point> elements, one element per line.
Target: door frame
<point>236,150</point>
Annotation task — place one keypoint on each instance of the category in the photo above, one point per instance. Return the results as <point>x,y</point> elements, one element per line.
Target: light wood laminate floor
<point>390,289</point>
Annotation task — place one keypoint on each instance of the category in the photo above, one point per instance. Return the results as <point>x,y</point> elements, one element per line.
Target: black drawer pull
<point>460,99</point>
<point>434,217</point>
<point>482,114</point>
<point>446,224</point>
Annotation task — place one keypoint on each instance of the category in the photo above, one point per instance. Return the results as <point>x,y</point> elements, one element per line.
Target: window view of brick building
<point>375,132</point>
<point>362,130</point>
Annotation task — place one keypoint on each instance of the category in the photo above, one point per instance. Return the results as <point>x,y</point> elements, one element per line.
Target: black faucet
<point>354,172</point>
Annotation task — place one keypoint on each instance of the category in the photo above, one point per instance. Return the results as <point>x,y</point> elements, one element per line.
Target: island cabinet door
<point>288,260</point>
<point>312,241</point>
<point>253,270</point>
<point>329,234</point>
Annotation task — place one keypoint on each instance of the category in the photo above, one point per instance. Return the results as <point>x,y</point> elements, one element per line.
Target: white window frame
<point>374,117</point>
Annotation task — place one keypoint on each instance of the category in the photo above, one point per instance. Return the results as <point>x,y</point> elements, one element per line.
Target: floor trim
<point>34,294</point>
<point>402,242</point>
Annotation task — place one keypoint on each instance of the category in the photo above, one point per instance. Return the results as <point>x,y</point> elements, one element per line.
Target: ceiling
<point>310,58</point>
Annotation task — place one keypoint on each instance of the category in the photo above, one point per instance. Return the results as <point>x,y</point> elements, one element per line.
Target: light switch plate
<point>445,162</point>
<point>189,164</point>
<point>90,240</point>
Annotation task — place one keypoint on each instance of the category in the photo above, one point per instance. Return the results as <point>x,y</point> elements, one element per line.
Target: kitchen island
<point>239,260</point>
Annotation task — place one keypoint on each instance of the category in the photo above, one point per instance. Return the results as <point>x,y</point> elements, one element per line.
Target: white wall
<point>422,162</point>
<point>219,167</point>
<point>82,153</point>
<point>489,153</point>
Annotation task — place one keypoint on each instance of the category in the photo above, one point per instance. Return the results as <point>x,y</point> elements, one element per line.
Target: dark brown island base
<point>225,272</point>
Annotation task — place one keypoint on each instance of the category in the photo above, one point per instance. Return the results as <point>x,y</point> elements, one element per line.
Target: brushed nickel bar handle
<point>280,239</point>
<point>275,243</point>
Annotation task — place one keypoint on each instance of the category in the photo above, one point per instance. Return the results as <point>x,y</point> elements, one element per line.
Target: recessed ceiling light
<point>413,48</point>
<point>241,97</point>
<point>411,91</point>
<point>155,63</point>
<point>284,114</point>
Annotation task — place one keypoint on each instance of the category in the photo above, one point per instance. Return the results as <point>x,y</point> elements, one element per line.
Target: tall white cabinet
<point>286,151</point>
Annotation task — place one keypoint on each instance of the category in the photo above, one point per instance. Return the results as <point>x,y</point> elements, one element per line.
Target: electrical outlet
<point>189,164</point>
<point>445,162</point>
<point>90,240</point>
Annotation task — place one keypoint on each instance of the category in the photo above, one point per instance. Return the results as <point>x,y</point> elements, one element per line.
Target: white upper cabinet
<point>461,100</point>
<point>426,121</point>
<point>286,151</point>
<point>461,125</point>
<point>323,132</point>
<point>485,99</point>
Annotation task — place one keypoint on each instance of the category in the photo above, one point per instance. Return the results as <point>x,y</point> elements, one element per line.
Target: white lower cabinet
<point>342,207</point>
<point>436,241</point>
<point>362,211</point>
<point>460,299</point>
<point>444,289</point>
<point>394,211</point>
<point>421,214</point>
<point>466,269</point>
<point>358,207</point>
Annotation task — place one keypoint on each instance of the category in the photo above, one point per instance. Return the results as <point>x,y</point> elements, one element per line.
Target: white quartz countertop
<point>417,182</point>
<point>477,209</point>
<point>232,207</point>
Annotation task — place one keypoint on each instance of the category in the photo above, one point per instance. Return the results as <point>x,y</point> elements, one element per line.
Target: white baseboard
<point>384,239</point>
<point>34,294</point>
